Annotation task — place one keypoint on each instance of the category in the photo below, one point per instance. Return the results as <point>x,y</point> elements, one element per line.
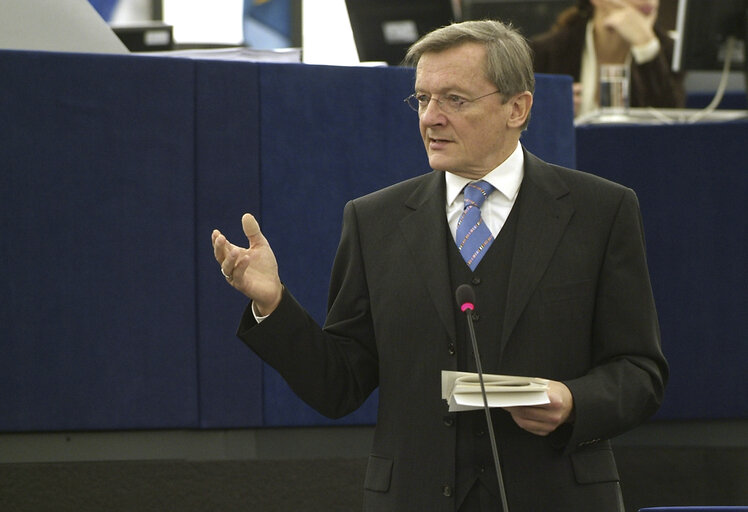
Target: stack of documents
<point>238,53</point>
<point>462,390</point>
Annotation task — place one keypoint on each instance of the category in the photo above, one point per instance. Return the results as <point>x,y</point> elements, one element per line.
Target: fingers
<point>219,244</point>
<point>534,426</point>
<point>227,260</point>
<point>228,267</point>
<point>540,420</point>
<point>611,5</point>
<point>222,247</point>
<point>576,90</point>
<point>633,22</point>
<point>251,228</point>
<point>225,253</point>
<point>543,419</point>
<point>251,270</point>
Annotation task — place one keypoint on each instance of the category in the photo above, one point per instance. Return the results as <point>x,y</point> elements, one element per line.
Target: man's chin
<point>439,164</point>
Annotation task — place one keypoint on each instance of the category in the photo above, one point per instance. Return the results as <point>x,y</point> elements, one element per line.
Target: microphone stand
<point>467,308</point>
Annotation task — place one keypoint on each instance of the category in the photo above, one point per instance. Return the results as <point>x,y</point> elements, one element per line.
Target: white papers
<point>238,53</point>
<point>462,390</point>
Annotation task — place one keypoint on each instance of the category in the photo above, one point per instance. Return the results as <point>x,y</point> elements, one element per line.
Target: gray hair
<point>508,56</point>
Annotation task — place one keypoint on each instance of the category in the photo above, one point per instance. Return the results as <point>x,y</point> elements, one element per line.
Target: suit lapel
<point>544,212</point>
<point>426,236</point>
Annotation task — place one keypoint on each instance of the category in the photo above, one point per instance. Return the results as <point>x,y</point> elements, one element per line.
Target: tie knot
<point>477,192</point>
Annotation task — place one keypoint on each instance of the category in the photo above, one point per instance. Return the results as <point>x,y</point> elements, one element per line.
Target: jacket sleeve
<point>626,382</point>
<point>333,369</point>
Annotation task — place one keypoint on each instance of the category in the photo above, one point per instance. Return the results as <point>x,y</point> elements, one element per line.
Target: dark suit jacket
<point>579,310</point>
<point>653,83</point>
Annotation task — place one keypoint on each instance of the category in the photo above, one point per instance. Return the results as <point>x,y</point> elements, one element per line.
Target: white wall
<point>327,36</point>
<point>197,21</point>
<point>326,39</point>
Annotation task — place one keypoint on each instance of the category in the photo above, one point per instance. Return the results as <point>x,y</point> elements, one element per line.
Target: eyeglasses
<point>451,103</point>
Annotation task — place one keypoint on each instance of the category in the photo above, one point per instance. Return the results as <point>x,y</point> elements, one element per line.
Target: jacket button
<point>480,433</point>
<point>475,316</point>
<point>447,491</point>
<point>448,421</point>
<point>451,349</point>
<point>475,281</point>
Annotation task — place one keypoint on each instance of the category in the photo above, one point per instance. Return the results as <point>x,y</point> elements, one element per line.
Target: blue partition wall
<point>341,146</point>
<point>227,184</point>
<point>97,192</point>
<point>692,186</point>
<point>115,169</point>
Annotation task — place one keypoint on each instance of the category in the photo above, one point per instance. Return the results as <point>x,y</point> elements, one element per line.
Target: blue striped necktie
<point>473,236</point>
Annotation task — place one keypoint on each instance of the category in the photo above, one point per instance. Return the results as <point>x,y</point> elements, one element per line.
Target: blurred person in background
<point>597,32</point>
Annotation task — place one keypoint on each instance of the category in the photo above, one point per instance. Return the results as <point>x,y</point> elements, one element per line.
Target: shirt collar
<point>506,178</point>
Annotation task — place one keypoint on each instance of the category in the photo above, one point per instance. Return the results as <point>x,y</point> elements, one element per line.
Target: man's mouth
<point>435,143</point>
<point>437,140</point>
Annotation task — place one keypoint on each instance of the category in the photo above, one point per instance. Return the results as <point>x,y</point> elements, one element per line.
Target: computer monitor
<point>530,17</point>
<point>703,28</point>
<point>384,29</point>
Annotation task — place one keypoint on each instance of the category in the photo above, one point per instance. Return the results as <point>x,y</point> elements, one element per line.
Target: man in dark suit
<point>562,292</point>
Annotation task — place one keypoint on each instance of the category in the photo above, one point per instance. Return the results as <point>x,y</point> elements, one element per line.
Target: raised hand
<point>252,270</point>
<point>633,20</point>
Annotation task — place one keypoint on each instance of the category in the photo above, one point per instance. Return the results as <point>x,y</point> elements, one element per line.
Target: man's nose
<point>432,113</point>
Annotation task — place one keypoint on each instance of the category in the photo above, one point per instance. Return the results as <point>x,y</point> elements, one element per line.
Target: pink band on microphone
<point>466,306</point>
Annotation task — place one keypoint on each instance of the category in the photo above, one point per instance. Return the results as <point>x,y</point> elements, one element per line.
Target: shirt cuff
<point>646,52</point>
<point>258,317</point>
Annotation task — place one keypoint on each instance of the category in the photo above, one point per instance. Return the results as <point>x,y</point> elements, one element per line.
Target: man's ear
<point>521,104</point>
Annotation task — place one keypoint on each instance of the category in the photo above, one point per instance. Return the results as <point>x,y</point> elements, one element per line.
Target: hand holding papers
<point>462,390</point>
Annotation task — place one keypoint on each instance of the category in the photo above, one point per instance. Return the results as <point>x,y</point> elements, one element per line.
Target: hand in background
<point>576,90</point>
<point>633,20</point>
<point>254,270</point>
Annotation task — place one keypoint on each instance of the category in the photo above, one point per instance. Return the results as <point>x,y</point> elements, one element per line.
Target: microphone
<point>465,296</point>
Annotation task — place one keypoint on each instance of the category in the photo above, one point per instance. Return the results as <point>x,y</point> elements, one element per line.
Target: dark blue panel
<point>550,134</point>
<point>692,184</point>
<point>110,289</point>
<point>734,100</point>
<point>329,134</point>
<point>228,184</point>
<point>96,202</point>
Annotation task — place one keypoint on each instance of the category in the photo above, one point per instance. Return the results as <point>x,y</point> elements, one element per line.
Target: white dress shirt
<point>506,179</point>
